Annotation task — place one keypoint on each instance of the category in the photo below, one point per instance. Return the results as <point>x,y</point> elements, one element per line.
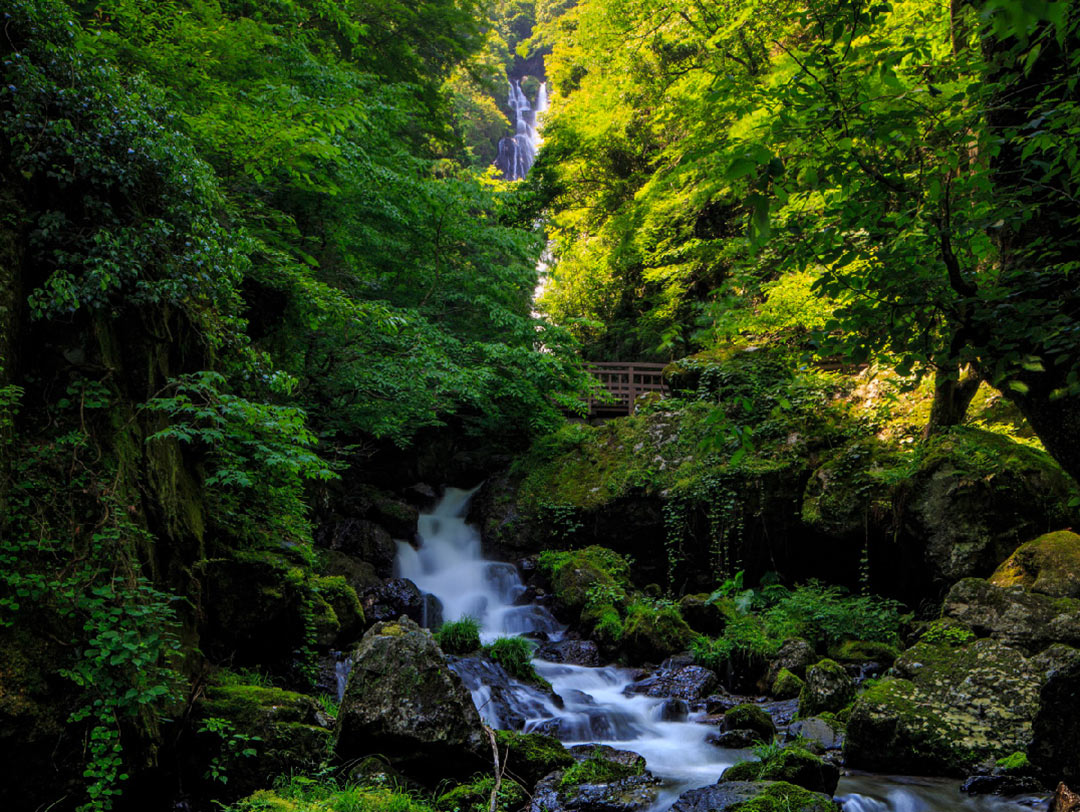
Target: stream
<point>449,564</point>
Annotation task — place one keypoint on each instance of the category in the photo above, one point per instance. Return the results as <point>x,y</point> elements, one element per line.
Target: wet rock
<point>627,759</point>
<point>1055,748</point>
<point>403,702</point>
<point>1016,617</point>
<point>361,539</point>
<point>816,730</point>
<point>570,652</point>
<point>674,710</point>
<point>602,780</point>
<point>393,599</point>
<point>504,702</point>
<point>715,704</point>
<point>750,717</point>
<point>782,711</point>
<point>1049,565</point>
<point>360,575</point>
<point>828,687</point>
<point>734,739</point>
<point>1064,800</point>
<point>795,765</point>
<point>730,795</point>
<point>677,677</point>
<point>949,710</point>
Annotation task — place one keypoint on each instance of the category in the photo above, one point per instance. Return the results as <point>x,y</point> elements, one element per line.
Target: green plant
<point>459,636</point>
<point>947,632</point>
<point>233,745</point>
<point>515,655</point>
<point>330,705</point>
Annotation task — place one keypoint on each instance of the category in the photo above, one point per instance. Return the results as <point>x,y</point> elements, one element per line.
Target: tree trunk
<point>1054,419</point>
<point>953,393</point>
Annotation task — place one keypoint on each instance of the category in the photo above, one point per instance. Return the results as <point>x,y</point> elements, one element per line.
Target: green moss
<point>786,685</point>
<point>515,655</point>
<point>578,576</point>
<point>248,704</point>
<point>750,717</point>
<point>861,651</point>
<point>598,770</point>
<point>792,764</point>
<point>784,797</point>
<point>1050,565</point>
<point>654,632</point>
<point>532,755</point>
<point>307,795</point>
<point>476,796</point>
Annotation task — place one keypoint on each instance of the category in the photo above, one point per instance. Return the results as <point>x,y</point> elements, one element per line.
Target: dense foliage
<point>898,178</point>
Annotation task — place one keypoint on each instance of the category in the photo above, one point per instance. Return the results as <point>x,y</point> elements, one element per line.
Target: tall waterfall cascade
<point>592,705</point>
<point>518,152</point>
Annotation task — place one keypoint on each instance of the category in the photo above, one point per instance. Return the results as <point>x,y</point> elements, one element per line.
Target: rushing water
<point>450,565</point>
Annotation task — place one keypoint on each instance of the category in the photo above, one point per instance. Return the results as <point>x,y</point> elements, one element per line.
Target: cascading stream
<point>518,152</point>
<point>449,564</point>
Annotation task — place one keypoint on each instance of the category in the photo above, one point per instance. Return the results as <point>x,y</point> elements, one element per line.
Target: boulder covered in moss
<point>795,655</point>
<point>705,616</point>
<point>793,764</point>
<point>864,651</point>
<point>339,617</point>
<point>602,779</point>
<point>653,633</point>
<point>786,685</point>
<point>1049,565</point>
<point>360,575</point>
<point>828,688</point>
<point>251,734</point>
<point>403,702</point>
<point>753,796</point>
<point>750,717</point>
<point>949,710</point>
<point>578,575</point>
<point>1013,615</point>
<point>531,756</point>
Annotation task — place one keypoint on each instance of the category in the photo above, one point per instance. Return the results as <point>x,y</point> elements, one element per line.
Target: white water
<point>518,152</point>
<point>449,564</point>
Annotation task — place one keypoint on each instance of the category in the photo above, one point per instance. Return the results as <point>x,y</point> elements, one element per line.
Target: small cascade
<point>518,152</point>
<point>591,704</point>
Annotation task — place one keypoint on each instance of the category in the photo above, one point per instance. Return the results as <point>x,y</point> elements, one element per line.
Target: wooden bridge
<point>625,383</point>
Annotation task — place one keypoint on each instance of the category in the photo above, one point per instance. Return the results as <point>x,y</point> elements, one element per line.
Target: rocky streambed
<point>661,738</point>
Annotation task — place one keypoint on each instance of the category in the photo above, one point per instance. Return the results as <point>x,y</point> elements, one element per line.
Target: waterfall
<point>592,704</point>
<point>518,152</point>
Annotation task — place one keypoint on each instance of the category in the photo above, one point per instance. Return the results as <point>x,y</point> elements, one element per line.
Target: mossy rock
<point>795,765</point>
<point>360,575</point>
<point>705,616</point>
<point>1026,620</point>
<point>1049,565</point>
<point>828,688</point>
<point>531,756</point>
<point>652,634</point>
<point>786,685</point>
<point>864,651</point>
<point>753,796</point>
<point>750,717</point>
<point>575,573</point>
<point>339,618</point>
<point>288,732</point>
<point>947,631</point>
<point>950,709</point>
<point>602,764</point>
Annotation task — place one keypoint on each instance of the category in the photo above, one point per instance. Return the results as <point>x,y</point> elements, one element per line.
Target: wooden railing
<point>625,383</point>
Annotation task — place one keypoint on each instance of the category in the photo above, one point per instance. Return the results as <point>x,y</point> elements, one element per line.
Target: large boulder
<point>795,655</point>
<point>949,710</point>
<point>1016,617</point>
<point>651,634</point>
<point>766,796</point>
<point>1049,565</point>
<point>531,756</point>
<point>752,718</point>
<point>828,687</point>
<point>403,702</point>
<point>400,596</point>
<point>251,734</point>
<point>1055,749</point>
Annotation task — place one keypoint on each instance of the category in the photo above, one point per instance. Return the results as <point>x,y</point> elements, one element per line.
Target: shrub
<point>515,655</point>
<point>459,636</point>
